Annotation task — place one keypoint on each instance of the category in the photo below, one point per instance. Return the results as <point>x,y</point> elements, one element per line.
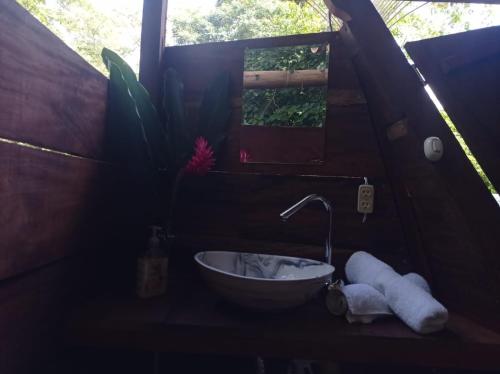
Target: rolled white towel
<point>412,303</point>
<point>418,280</point>
<point>364,303</point>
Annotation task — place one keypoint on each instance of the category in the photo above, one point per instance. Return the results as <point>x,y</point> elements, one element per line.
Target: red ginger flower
<point>203,158</point>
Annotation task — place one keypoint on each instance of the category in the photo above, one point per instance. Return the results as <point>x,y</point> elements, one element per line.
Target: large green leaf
<point>215,111</point>
<point>181,142</point>
<point>108,56</point>
<point>154,136</point>
<point>124,132</point>
<point>127,143</point>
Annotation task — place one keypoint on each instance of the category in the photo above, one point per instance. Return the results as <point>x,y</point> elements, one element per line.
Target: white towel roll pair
<point>377,290</point>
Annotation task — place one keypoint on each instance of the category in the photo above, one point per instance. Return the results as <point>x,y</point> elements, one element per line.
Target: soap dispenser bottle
<point>152,267</point>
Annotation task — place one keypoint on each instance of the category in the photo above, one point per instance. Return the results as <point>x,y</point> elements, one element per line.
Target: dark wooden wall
<point>239,204</point>
<point>439,216</point>
<point>52,115</point>
<point>452,220</point>
<point>464,72</point>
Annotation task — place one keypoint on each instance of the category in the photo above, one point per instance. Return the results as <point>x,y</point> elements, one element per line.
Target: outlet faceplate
<point>366,195</point>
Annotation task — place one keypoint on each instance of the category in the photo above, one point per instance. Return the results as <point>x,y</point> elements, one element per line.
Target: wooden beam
<point>284,78</point>
<point>454,212</point>
<point>154,16</point>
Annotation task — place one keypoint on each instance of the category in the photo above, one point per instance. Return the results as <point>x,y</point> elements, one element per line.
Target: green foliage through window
<point>89,25</point>
<point>294,107</point>
<point>291,106</point>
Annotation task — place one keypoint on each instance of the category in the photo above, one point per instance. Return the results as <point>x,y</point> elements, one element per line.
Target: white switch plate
<point>366,195</point>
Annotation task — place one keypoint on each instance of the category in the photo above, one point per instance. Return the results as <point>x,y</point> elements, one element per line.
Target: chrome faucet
<point>328,206</point>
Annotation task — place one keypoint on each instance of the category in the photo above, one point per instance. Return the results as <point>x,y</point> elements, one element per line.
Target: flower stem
<point>173,197</point>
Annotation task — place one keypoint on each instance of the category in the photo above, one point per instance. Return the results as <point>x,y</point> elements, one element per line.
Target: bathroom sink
<point>261,281</point>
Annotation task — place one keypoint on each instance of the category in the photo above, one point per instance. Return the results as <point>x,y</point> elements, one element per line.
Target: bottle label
<point>151,276</point>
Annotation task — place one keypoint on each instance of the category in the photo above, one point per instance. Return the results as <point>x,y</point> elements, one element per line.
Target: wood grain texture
<point>243,201</point>
<point>454,214</point>
<point>33,309</point>
<point>351,148</point>
<point>192,319</point>
<point>247,206</point>
<point>49,95</point>
<point>53,204</point>
<point>47,201</point>
<point>464,72</point>
<point>292,145</point>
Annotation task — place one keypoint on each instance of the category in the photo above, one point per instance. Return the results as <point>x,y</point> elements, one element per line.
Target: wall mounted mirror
<point>284,104</point>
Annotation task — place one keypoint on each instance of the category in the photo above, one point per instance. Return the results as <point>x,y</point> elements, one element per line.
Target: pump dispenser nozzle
<point>154,241</point>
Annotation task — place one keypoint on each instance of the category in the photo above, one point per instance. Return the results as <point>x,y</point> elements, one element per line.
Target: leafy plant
<point>207,136</point>
<point>136,137</point>
<point>159,154</point>
<point>143,122</point>
<point>215,111</point>
<point>213,116</point>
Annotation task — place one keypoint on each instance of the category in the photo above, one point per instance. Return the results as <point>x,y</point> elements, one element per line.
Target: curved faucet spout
<point>285,215</point>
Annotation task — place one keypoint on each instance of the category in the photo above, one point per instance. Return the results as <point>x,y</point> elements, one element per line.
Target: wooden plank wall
<point>451,209</point>
<point>50,98</point>
<point>293,145</point>
<point>243,201</point>
<point>464,72</point>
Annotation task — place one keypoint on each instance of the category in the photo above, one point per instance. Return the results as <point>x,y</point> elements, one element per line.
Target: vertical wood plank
<point>154,17</point>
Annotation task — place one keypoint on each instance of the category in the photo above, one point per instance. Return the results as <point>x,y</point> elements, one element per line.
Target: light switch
<point>433,148</point>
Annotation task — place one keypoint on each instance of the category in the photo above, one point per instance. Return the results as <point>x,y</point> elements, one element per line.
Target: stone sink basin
<point>263,282</point>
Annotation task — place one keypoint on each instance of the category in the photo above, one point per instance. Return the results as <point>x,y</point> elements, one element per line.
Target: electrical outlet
<point>366,194</point>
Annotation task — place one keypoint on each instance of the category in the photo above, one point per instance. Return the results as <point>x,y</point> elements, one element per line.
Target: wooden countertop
<point>195,320</point>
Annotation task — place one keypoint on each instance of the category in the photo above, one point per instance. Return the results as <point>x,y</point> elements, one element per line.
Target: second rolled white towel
<point>364,303</point>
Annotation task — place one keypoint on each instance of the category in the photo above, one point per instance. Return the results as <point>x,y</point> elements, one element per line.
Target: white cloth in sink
<point>407,296</point>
